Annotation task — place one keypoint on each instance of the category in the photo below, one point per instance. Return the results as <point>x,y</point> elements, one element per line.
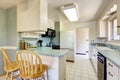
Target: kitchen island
<point>56,61</point>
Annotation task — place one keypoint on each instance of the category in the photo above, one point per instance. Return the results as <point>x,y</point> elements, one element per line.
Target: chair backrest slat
<point>28,58</point>
<point>36,65</point>
<point>7,59</point>
<point>29,62</point>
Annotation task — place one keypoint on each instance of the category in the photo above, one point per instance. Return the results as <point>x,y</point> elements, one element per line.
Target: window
<point>113,25</point>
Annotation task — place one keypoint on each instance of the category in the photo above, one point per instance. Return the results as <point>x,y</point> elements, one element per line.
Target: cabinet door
<point>119,73</point>
<point>43,15</point>
<point>102,28</point>
<point>112,67</point>
<point>112,71</point>
<point>32,15</point>
<point>94,58</point>
<point>51,24</point>
<point>118,16</point>
<point>91,50</point>
<point>111,76</point>
<point>28,15</point>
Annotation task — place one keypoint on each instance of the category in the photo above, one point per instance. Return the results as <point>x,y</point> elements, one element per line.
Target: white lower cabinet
<point>112,71</point>
<point>94,57</point>
<point>109,77</point>
<point>119,73</point>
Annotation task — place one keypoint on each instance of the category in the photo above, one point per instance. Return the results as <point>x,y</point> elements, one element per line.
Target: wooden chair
<point>10,67</point>
<point>30,64</point>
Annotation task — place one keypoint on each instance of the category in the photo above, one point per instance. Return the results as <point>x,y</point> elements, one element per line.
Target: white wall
<point>7,33</point>
<point>91,25</point>
<point>3,27</point>
<point>12,26</point>
<point>8,27</point>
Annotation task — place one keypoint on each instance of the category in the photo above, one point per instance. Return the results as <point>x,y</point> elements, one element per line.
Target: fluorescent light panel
<point>71,14</point>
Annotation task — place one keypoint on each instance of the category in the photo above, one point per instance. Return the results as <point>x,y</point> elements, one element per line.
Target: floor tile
<point>81,69</point>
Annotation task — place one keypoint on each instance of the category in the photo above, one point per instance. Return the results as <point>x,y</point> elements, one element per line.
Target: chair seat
<point>11,67</point>
<point>35,75</point>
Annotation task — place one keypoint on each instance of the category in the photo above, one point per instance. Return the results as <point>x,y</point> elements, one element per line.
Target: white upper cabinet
<point>32,15</point>
<point>118,16</point>
<point>102,29</point>
<point>51,24</point>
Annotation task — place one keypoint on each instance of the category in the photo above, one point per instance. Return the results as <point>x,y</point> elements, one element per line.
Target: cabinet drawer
<point>111,76</point>
<point>113,68</point>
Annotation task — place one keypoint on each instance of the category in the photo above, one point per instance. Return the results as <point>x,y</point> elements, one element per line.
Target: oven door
<point>101,61</point>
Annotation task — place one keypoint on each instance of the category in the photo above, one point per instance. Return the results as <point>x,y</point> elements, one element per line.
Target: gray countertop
<point>112,55</point>
<point>48,51</point>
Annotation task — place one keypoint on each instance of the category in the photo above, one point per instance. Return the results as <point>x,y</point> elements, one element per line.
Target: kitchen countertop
<point>48,51</point>
<point>112,55</point>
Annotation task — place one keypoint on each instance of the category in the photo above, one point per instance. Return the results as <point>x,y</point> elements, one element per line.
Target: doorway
<point>82,43</point>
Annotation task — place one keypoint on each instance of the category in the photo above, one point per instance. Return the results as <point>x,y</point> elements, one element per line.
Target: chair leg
<point>7,75</point>
<point>47,74</point>
<point>42,78</point>
<point>11,77</point>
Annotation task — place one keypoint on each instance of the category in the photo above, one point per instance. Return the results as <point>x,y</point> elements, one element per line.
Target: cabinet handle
<point>118,26</point>
<point>110,74</point>
<point>110,65</point>
<point>94,55</point>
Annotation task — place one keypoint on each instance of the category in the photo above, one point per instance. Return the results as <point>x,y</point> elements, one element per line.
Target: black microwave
<point>49,33</point>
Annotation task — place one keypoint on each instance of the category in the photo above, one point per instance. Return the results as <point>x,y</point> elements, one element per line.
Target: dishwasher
<point>101,64</point>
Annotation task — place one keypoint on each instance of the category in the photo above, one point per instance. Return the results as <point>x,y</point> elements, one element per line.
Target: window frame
<point>112,29</point>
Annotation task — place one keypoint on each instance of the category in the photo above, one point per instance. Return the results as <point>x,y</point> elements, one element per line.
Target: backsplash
<point>115,47</point>
<point>33,41</point>
<point>46,41</point>
<point>110,45</point>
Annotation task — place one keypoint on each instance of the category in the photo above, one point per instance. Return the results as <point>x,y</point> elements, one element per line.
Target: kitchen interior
<point>84,47</point>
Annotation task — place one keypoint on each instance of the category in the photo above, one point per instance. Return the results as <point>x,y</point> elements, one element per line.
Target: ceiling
<point>88,9</point>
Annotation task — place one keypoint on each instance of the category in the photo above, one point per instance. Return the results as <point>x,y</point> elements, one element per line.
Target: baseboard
<point>70,61</point>
<point>81,53</point>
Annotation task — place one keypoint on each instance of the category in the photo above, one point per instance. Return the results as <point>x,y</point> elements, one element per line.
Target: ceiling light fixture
<point>71,12</point>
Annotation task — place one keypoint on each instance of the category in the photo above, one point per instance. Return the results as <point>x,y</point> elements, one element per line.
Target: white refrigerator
<point>67,39</point>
